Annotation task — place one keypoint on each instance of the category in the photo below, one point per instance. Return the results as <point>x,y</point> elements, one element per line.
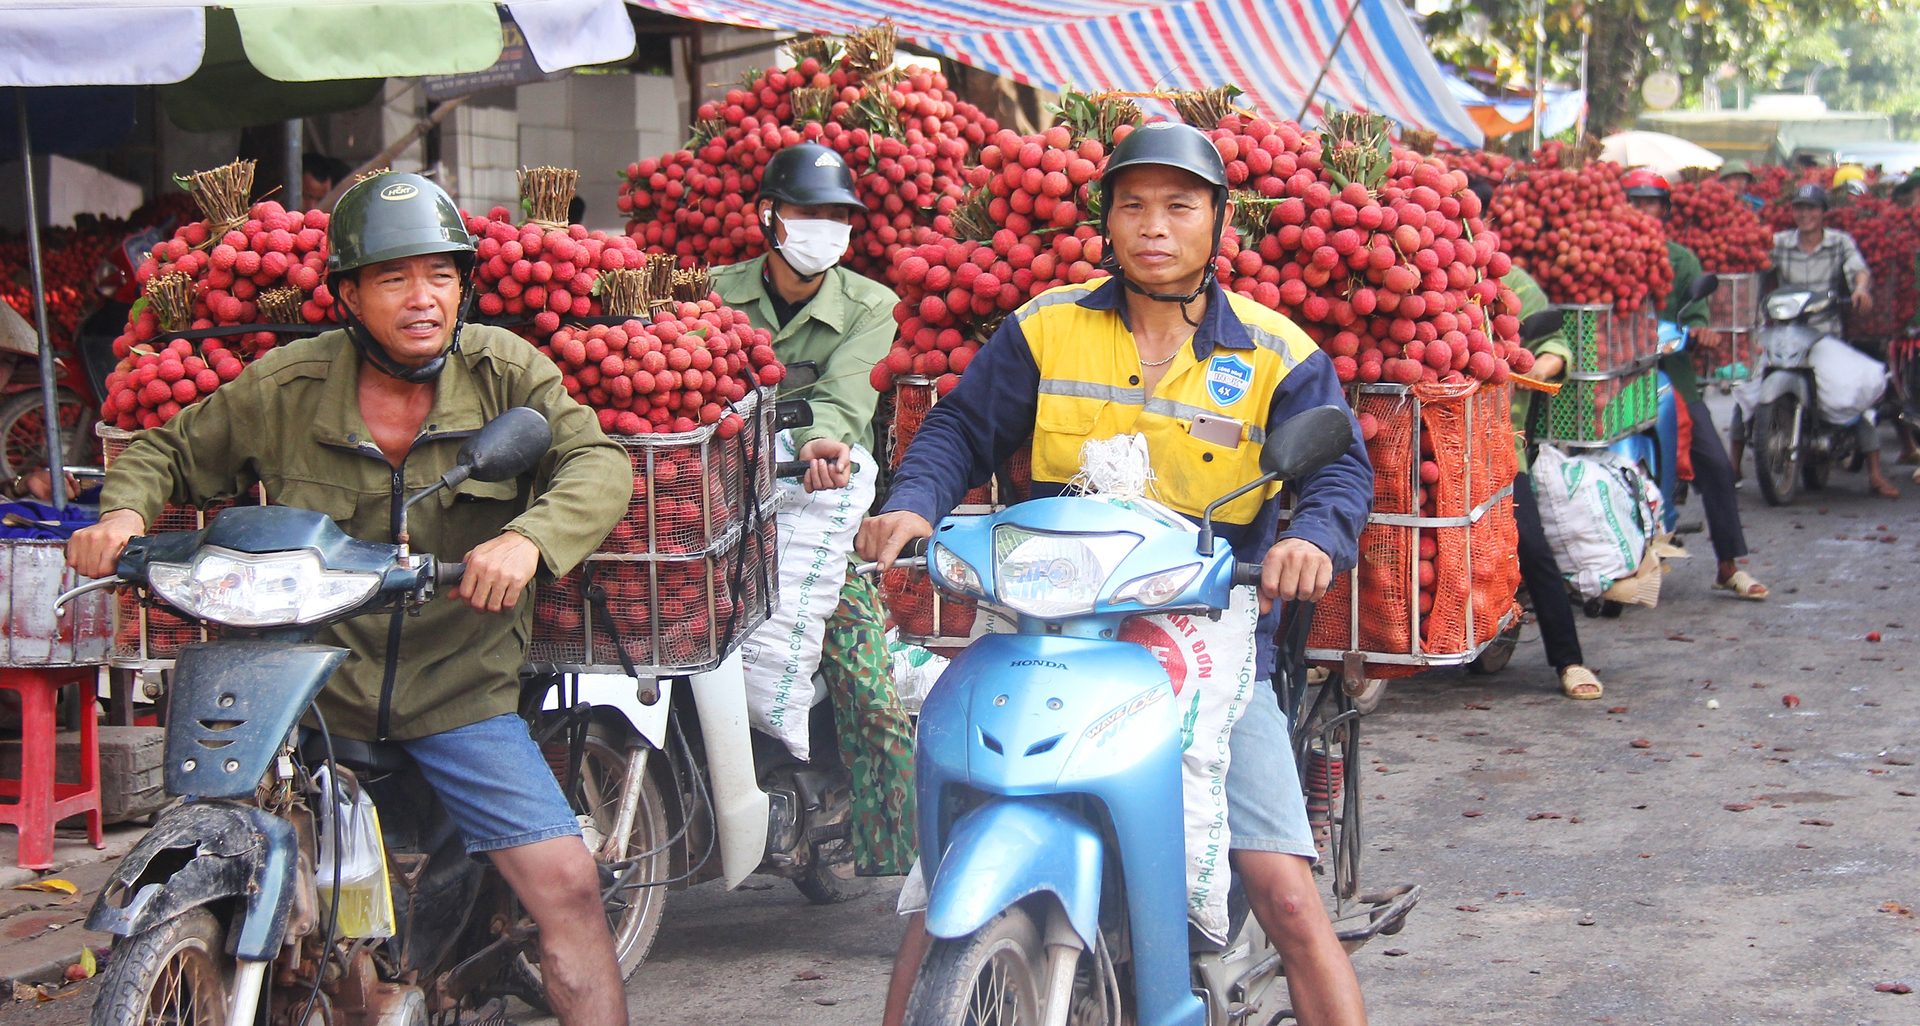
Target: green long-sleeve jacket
<point>1679,366</point>
<point>845,329</point>
<point>1532,301</point>
<point>292,422</point>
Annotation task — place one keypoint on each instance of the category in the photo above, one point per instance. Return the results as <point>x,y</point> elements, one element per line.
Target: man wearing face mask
<point>843,323</point>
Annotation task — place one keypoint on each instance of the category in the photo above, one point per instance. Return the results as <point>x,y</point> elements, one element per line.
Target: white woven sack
<point>815,537</point>
<point>1847,382</point>
<point>1596,515</point>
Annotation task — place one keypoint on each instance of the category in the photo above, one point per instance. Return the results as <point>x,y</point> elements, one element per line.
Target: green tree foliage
<point>1860,67</point>
<point>1699,40</point>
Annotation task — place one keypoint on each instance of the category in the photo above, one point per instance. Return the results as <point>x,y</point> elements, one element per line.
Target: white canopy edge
<point>156,42</point>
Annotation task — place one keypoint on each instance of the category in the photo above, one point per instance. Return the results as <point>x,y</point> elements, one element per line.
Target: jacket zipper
<point>383,724</point>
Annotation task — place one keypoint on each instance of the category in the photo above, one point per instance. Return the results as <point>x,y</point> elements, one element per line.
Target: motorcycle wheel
<point>1326,745</point>
<point>829,879</point>
<point>1815,471</point>
<point>1497,654</point>
<point>23,431</point>
<point>991,977</point>
<point>634,915</point>
<point>1776,461</point>
<point>175,973</point>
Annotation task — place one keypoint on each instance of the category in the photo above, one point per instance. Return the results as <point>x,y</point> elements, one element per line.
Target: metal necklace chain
<point>1162,363</point>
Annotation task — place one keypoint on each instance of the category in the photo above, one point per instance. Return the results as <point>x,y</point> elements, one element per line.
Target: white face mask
<point>815,245</point>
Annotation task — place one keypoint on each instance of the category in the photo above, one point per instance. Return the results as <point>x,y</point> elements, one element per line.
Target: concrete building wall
<point>480,151</point>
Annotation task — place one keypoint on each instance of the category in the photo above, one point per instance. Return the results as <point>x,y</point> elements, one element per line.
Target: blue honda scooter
<point>1049,779</point>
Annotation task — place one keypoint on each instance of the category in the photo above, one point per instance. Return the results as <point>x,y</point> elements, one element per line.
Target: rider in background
<point>1713,475</point>
<point>1146,351</point>
<point>843,322</point>
<point>1811,255</point>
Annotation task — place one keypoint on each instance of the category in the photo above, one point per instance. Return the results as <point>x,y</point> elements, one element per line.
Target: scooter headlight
<point>241,589</point>
<point>956,573</point>
<point>1043,574</point>
<point>1785,306</point>
<point>1158,589</point>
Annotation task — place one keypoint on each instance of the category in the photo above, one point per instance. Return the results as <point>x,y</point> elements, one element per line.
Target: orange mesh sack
<point>911,401</point>
<point>1385,569</point>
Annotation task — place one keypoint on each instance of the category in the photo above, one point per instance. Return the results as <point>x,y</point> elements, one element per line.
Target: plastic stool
<point>43,801</point>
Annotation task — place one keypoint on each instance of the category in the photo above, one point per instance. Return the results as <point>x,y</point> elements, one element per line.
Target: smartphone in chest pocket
<point>1223,431</point>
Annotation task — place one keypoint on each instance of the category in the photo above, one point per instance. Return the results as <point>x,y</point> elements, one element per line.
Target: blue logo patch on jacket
<point>1228,378</point>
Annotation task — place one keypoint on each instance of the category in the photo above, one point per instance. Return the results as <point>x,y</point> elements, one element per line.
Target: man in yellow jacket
<point>1160,349</point>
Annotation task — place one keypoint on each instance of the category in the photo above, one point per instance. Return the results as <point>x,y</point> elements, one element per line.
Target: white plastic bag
<point>1598,515</point>
<point>915,669</point>
<point>366,902</point>
<point>1847,382</point>
<point>815,537</point>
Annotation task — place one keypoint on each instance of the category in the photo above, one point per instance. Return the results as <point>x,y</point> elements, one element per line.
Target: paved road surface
<point>1527,816</point>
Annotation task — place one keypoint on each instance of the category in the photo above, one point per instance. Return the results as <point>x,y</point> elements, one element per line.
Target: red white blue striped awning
<point>1273,49</point>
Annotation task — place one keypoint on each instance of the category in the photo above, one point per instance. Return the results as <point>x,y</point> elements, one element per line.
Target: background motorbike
<point>223,888</point>
<point>1048,772</point>
<point>1793,446</point>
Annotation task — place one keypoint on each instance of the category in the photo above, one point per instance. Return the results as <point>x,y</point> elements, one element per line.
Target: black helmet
<point>390,216</point>
<point>1812,194</point>
<point>810,175</point>
<point>1176,145</point>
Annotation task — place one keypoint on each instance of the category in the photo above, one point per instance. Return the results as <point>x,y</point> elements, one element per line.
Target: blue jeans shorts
<point>1265,807</point>
<point>495,784</point>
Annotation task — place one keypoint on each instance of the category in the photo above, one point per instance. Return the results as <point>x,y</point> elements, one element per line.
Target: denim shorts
<point>495,784</point>
<point>1265,807</point>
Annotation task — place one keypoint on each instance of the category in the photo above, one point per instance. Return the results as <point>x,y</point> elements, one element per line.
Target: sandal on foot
<point>1580,684</point>
<point>1743,586</point>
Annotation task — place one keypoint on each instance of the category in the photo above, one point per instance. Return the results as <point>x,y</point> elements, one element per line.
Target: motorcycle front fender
<point>1009,849</point>
<point>1781,383</point>
<point>200,853</point>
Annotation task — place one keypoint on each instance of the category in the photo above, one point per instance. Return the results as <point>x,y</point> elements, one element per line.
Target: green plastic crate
<point>1604,341</point>
<point>1597,411</point>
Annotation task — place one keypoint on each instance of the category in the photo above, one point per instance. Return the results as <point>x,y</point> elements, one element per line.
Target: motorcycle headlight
<point>278,589</point>
<point>1049,575</point>
<point>1787,305</point>
<point>1158,589</point>
<point>956,572</point>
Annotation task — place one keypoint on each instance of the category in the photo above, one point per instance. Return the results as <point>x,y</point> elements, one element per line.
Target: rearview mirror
<point>1542,324</point>
<point>1702,287</point>
<point>510,445</point>
<point>1307,442</point>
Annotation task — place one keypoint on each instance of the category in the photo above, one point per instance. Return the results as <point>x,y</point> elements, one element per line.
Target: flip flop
<point>1579,684</point>
<point>1742,585</point>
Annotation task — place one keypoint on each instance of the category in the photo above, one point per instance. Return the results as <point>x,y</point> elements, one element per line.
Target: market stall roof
<point>1498,117</point>
<point>157,42</point>
<point>1273,49</point>
<point>1667,154</point>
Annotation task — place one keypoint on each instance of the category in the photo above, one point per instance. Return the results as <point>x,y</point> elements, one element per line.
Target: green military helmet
<point>1167,144</point>
<point>392,215</point>
<point>810,175</point>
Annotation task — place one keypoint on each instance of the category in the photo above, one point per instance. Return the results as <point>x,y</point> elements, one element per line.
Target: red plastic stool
<point>44,801</point>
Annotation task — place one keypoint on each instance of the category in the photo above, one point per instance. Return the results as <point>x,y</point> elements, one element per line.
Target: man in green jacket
<point>348,424</point>
<point>1713,475</point>
<point>842,322</point>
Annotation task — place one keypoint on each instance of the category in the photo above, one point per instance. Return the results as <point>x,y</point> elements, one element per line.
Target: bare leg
<point>1909,451</point>
<point>1735,451</point>
<point>558,883</point>
<point>906,967</point>
<point>1286,901</point>
<point>1877,482</point>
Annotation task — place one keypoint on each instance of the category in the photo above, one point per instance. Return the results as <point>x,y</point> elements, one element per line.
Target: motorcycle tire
<point>189,954</point>
<point>1776,461</point>
<point>1497,654</point>
<point>634,921</point>
<point>23,433</point>
<point>829,878</point>
<point>1815,471</point>
<point>994,976</point>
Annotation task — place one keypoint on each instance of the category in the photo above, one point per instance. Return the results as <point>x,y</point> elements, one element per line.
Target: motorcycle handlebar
<point>446,575</point>
<point>912,554</point>
<point>1246,573</point>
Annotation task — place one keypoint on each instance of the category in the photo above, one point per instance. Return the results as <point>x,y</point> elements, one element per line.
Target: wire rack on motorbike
<point>926,617</point>
<point>1453,538</point>
<point>1733,312</point>
<point>687,573</point>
